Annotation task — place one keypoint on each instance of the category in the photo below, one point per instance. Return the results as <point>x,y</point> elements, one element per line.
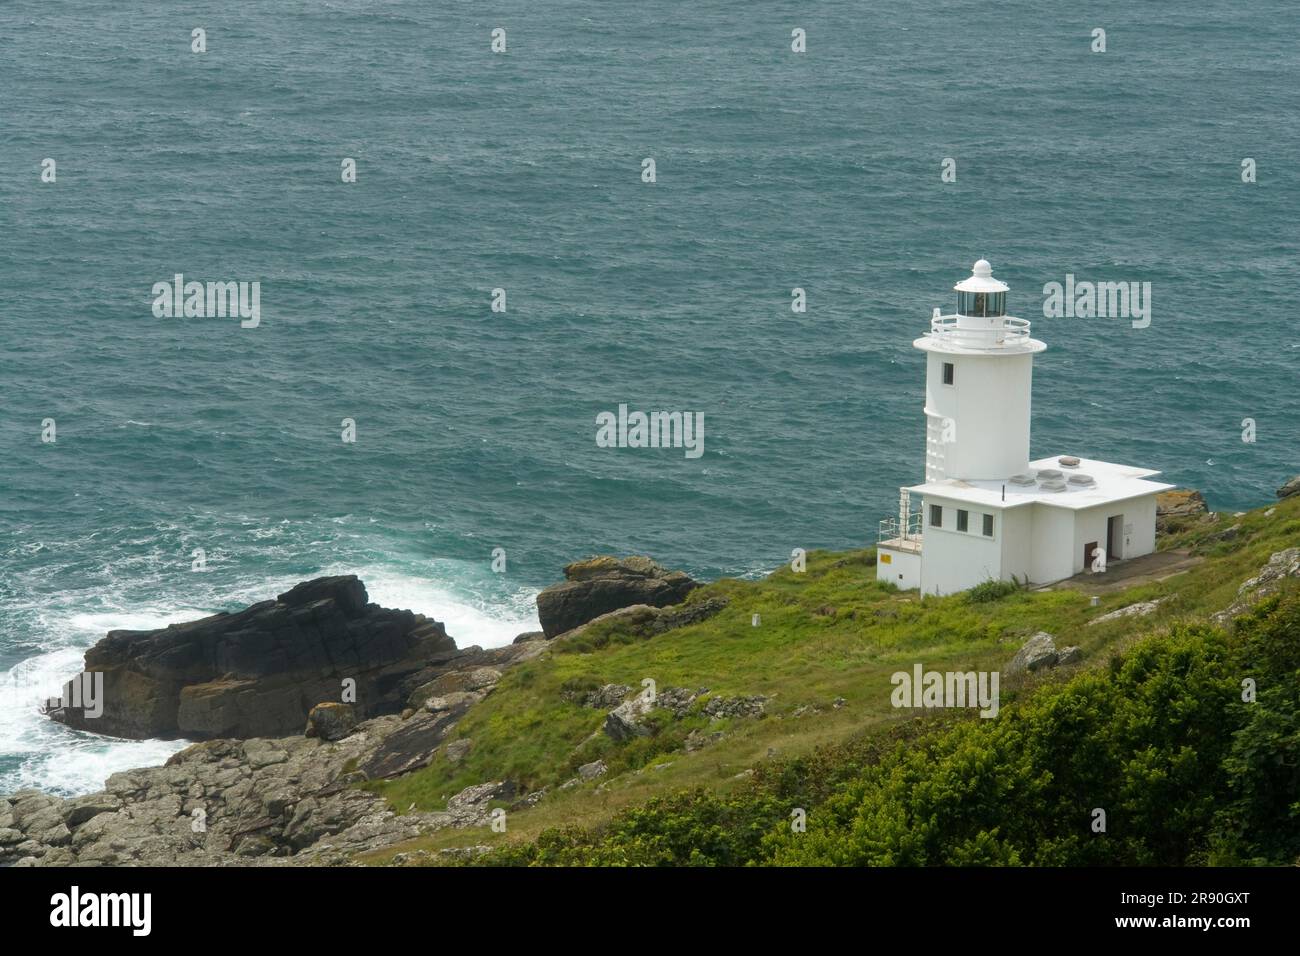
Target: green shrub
<point>1186,771</point>
<point>991,590</point>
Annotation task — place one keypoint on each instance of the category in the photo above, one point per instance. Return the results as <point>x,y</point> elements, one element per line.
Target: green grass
<point>832,631</point>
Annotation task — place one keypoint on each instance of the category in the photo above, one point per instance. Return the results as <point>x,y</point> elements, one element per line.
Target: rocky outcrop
<point>1177,504</point>
<point>1039,653</point>
<point>626,720</point>
<point>602,698</point>
<point>259,671</point>
<point>1180,503</point>
<point>472,807</point>
<point>223,801</point>
<point>600,585</point>
<point>260,801</point>
<point>1282,566</point>
<point>727,708</point>
<point>642,620</point>
<point>414,744</point>
<point>284,741</point>
<point>678,701</point>
<point>1290,488</point>
<point>1140,609</point>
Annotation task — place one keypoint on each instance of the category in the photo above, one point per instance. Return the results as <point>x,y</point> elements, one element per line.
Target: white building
<point>987,511</point>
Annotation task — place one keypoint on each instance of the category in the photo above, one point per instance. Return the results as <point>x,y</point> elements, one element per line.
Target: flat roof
<point>1113,483</point>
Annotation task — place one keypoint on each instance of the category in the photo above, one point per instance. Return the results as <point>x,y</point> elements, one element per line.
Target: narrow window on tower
<point>947,373</point>
<point>962,519</point>
<point>936,516</point>
<point>988,526</point>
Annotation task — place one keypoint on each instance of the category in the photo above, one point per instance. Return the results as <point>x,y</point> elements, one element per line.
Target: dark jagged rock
<point>1292,487</point>
<point>414,745</point>
<point>258,672</point>
<point>266,801</point>
<point>600,585</point>
<point>266,792</point>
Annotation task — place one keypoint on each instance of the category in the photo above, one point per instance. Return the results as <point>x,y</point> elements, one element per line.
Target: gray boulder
<point>1036,653</point>
<point>1292,487</point>
<point>625,721</point>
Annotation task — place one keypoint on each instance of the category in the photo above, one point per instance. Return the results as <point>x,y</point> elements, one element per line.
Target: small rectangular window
<point>936,516</point>
<point>962,519</point>
<point>988,526</point>
<point>948,374</point>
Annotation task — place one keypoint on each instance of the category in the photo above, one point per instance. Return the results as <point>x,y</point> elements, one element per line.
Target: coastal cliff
<point>747,679</point>
<point>298,700</point>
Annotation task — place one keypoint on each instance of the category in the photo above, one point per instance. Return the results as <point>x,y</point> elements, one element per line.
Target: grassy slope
<point>830,632</point>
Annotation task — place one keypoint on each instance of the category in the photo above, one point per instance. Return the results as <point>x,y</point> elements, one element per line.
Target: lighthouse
<point>978,378</point>
<point>988,511</point>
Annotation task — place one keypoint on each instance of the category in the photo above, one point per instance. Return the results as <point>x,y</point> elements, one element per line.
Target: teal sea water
<point>475,429</point>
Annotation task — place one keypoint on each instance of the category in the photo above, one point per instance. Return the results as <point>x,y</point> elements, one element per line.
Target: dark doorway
<point>1114,537</point>
<point>1088,551</point>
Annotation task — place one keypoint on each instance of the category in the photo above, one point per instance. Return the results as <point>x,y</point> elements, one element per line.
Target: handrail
<point>888,529</point>
<point>1012,331</point>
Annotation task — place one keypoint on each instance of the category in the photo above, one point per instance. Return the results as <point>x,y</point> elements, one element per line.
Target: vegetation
<point>1153,729</point>
<point>991,591</point>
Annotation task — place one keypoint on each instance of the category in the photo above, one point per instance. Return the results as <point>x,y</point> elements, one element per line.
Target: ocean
<point>523,171</point>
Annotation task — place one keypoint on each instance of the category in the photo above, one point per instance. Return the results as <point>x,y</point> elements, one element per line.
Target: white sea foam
<point>475,606</point>
<point>43,754</point>
<point>473,611</point>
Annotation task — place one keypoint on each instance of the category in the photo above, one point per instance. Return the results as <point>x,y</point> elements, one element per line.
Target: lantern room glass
<point>982,304</point>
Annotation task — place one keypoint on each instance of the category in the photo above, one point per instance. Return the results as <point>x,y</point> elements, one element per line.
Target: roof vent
<point>1047,474</point>
<point>1023,479</point>
<point>1084,481</point>
<point>1052,484</point>
<point>1068,461</point>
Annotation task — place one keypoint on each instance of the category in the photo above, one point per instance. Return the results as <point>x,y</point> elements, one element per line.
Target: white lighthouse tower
<point>988,511</point>
<point>978,378</point>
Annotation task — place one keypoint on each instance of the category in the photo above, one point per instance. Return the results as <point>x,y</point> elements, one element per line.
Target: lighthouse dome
<point>981,280</point>
<point>981,295</point>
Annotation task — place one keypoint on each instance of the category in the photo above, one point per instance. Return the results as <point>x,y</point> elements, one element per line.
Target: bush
<point>991,590</point>
<point>1162,741</point>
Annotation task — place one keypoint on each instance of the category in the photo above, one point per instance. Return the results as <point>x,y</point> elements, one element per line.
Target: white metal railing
<point>906,526</point>
<point>1011,332</point>
<point>889,529</point>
